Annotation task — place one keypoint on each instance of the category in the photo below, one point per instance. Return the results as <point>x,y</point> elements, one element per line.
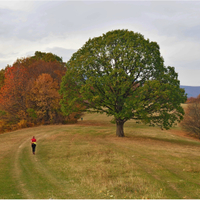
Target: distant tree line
<point>29,92</point>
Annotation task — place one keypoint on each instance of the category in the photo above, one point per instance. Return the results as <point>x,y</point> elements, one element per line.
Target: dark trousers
<point>33,147</point>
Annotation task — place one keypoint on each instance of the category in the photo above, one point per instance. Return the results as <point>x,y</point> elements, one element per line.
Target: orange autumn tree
<point>44,98</point>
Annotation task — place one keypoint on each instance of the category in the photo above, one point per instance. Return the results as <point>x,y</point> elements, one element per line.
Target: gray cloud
<point>62,27</point>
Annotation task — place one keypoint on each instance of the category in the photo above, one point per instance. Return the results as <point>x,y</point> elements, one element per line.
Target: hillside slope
<point>192,91</point>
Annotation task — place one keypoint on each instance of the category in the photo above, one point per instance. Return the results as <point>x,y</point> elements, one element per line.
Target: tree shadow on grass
<point>167,140</point>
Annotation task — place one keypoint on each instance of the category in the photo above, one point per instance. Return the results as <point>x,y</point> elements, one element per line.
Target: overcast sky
<point>62,27</point>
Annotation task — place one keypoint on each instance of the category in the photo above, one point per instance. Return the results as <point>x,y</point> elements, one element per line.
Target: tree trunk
<point>120,129</point>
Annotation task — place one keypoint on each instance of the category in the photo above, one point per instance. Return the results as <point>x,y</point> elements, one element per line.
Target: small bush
<point>6,126</point>
<point>2,126</point>
<point>22,124</point>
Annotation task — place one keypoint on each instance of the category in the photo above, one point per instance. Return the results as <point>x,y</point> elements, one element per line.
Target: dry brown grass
<point>87,160</point>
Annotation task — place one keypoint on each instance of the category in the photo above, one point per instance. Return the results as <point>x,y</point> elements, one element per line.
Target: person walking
<point>33,144</point>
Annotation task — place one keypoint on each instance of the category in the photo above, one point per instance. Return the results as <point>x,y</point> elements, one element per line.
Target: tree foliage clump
<point>44,98</point>
<point>47,57</point>
<point>191,121</point>
<point>29,92</point>
<point>123,75</point>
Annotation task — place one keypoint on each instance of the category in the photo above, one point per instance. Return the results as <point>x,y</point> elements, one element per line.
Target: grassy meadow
<point>86,160</point>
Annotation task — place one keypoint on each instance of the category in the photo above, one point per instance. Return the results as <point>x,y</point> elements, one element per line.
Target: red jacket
<point>33,141</point>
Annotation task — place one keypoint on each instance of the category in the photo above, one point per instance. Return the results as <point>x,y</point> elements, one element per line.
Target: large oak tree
<point>123,75</point>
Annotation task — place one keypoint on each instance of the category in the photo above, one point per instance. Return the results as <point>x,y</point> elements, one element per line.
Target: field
<point>87,160</point>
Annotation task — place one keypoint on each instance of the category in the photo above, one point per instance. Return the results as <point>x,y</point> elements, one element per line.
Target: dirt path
<point>29,172</point>
<point>17,170</point>
<point>18,163</point>
<point>17,166</point>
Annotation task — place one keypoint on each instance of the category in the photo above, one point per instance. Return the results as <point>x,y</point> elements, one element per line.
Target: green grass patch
<point>87,160</point>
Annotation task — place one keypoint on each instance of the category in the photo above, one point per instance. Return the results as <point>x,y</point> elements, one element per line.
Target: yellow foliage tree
<point>44,98</point>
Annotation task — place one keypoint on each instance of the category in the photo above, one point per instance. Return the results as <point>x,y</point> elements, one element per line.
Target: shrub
<point>2,126</point>
<point>191,121</point>
<point>22,124</point>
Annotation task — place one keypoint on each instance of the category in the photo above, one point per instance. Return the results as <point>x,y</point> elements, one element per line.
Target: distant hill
<point>192,91</point>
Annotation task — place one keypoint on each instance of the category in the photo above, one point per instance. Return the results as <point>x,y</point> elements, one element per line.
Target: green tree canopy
<point>47,57</point>
<point>123,75</point>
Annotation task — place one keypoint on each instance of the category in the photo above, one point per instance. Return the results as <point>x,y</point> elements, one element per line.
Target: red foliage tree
<point>190,99</point>
<point>13,92</point>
